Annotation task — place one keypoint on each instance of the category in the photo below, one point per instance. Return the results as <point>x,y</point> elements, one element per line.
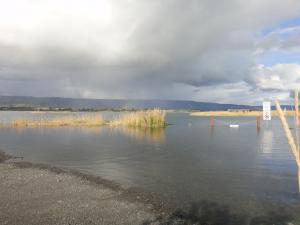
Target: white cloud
<point>279,77</point>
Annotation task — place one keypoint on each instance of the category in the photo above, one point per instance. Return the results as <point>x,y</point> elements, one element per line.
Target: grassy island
<point>149,118</point>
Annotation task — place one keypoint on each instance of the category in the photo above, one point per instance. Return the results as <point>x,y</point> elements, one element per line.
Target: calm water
<point>186,162</point>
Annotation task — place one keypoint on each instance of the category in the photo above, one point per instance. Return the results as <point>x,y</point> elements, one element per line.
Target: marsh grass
<point>59,122</point>
<point>144,119</point>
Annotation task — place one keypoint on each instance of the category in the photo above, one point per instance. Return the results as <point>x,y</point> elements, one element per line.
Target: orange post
<point>212,121</point>
<point>258,123</point>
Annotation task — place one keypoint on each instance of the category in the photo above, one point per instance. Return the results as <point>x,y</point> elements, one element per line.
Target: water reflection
<point>266,146</point>
<point>213,213</point>
<point>43,130</point>
<point>298,165</point>
<point>295,135</point>
<point>299,179</point>
<point>193,162</point>
<point>298,156</point>
<point>152,135</point>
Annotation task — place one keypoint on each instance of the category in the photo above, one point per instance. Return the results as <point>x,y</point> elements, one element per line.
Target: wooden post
<point>258,122</point>
<point>212,121</point>
<point>296,107</point>
<point>288,134</point>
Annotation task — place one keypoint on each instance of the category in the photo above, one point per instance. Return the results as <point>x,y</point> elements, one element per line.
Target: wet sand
<point>40,194</point>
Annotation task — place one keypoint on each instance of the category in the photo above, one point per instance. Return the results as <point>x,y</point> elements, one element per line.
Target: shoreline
<point>108,200</point>
<point>34,193</point>
<point>238,114</point>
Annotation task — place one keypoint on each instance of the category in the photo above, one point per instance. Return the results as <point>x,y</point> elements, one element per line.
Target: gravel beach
<point>33,195</point>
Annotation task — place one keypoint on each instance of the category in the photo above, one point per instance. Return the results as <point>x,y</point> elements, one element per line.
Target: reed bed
<point>145,119</point>
<point>58,122</point>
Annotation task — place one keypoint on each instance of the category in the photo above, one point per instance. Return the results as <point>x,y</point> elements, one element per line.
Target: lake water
<point>186,162</point>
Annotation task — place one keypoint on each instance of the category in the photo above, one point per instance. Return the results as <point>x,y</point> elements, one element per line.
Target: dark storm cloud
<point>132,49</point>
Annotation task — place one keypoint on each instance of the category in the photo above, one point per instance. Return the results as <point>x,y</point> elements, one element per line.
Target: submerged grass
<point>145,119</point>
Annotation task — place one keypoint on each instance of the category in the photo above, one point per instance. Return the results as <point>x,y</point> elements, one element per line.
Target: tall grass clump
<point>147,119</point>
<point>60,121</point>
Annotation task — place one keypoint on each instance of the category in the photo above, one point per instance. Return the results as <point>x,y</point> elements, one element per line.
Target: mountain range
<point>102,104</point>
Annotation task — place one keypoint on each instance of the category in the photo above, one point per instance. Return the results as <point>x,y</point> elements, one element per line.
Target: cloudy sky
<point>232,51</point>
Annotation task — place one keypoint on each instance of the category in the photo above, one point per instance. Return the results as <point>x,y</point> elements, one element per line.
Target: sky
<point>230,51</point>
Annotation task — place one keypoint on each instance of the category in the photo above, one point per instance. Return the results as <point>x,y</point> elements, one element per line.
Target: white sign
<point>266,110</point>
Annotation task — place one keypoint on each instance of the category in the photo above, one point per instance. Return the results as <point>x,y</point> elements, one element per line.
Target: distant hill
<point>101,104</point>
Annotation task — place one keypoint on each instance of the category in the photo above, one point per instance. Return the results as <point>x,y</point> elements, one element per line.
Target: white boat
<point>234,126</point>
